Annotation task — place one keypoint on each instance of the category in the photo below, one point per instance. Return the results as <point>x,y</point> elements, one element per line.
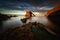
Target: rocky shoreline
<point>27,32</point>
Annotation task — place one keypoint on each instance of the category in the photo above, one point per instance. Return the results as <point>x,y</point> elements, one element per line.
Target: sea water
<point>16,21</point>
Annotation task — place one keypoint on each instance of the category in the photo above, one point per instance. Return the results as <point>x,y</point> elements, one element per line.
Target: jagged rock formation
<point>54,15</point>
<point>52,11</point>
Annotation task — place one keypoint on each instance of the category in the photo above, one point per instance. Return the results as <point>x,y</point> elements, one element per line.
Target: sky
<point>27,5</point>
<point>16,4</point>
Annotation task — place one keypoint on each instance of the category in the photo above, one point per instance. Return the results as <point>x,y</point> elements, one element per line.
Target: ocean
<point>16,21</point>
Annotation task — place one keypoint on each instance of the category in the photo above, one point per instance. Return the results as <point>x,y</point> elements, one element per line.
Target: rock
<point>54,14</point>
<point>24,20</point>
<point>3,17</point>
<point>28,14</point>
<point>52,11</point>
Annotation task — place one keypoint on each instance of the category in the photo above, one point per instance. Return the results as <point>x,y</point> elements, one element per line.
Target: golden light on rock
<point>28,14</point>
<point>53,10</point>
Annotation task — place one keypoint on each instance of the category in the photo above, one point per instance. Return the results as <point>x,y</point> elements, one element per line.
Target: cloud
<point>14,5</point>
<point>27,4</point>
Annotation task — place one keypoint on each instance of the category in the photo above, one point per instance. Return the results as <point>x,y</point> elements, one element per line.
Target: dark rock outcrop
<point>54,15</point>
<point>3,17</point>
<point>52,11</point>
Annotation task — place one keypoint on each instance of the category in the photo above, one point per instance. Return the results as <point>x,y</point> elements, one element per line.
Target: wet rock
<point>24,32</point>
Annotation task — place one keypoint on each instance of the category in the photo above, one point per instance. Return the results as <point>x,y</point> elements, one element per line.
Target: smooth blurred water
<point>16,21</point>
